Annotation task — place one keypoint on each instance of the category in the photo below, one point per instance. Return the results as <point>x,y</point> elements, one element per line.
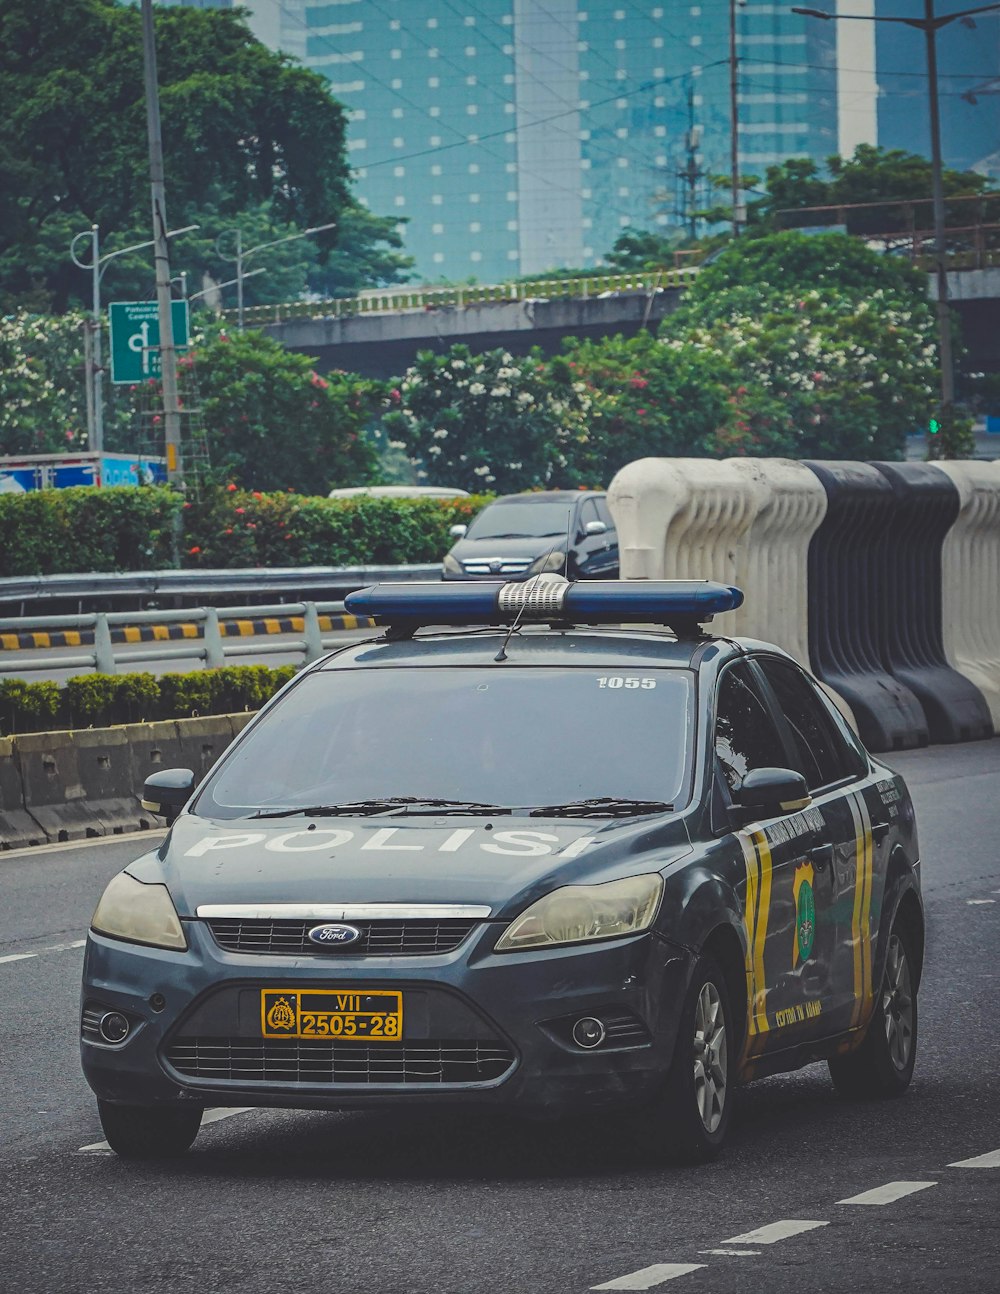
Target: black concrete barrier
<point>849,600</point>
<point>926,506</point>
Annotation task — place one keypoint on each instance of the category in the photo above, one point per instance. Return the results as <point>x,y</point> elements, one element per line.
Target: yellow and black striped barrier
<point>243,628</point>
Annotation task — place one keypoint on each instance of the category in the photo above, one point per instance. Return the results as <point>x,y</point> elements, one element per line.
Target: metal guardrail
<point>212,648</point>
<point>460,296</point>
<point>323,581</point>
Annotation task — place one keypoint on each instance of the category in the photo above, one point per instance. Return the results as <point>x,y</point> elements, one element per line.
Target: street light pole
<point>161,251</point>
<point>929,25</point>
<point>242,256</point>
<point>734,120</point>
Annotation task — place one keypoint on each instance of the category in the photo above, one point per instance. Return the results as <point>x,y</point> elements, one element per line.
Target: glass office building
<point>514,136</point>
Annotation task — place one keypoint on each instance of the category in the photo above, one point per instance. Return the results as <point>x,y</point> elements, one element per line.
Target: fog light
<point>588,1033</point>
<point>114,1027</point>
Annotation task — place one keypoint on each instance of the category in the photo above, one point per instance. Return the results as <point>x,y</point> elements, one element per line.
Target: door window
<point>822,757</point>
<point>604,513</point>
<point>745,735</point>
<point>587,513</point>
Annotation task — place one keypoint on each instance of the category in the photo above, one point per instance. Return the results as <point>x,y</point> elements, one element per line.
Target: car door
<point>609,568</point>
<point>787,1000</point>
<point>849,862</point>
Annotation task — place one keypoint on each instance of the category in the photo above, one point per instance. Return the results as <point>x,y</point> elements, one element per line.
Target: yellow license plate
<point>344,1014</point>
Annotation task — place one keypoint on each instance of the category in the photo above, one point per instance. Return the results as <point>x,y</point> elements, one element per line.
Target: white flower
<point>477,388</point>
<point>434,449</point>
<point>397,444</point>
<point>440,433</point>
<point>500,392</point>
<point>458,363</point>
<point>481,471</point>
<point>525,398</point>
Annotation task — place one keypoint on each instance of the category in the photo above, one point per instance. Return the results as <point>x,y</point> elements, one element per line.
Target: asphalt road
<point>411,1203</point>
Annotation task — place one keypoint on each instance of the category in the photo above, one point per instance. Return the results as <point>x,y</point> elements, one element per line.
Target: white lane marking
<point>975,903</point>
<point>733,1253</point>
<point>650,1276</point>
<point>887,1194</point>
<point>38,952</point>
<point>58,846</point>
<point>210,1116</point>
<point>990,1160</point>
<point>774,1231</point>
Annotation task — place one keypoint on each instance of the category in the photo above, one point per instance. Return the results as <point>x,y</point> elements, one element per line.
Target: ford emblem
<point>334,935</point>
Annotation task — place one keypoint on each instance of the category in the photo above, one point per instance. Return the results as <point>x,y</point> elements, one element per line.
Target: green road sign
<point>135,339</point>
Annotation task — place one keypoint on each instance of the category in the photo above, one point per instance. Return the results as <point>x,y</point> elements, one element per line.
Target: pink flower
<point>240,511</point>
<point>195,549</point>
<point>394,395</point>
<point>230,487</point>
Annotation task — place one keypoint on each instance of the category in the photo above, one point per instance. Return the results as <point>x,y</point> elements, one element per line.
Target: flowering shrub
<point>42,403</point>
<point>487,421</point>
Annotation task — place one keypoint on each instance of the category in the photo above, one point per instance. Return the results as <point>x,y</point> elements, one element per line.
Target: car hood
<point>477,550</point>
<point>503,862</point>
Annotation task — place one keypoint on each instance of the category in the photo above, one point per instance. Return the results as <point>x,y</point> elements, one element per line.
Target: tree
<point>368,254</point>
<point>241,127</point>
<point>274,423</point>
<point>891,178</point>
<point>641,249</point>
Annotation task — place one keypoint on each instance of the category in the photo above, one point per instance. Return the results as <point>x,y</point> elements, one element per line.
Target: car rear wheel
<point>692,1116</point>
<point>148,1132</point>
<point>883,1064</point>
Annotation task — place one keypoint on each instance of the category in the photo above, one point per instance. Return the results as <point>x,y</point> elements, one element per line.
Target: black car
<point>521,860</point>
<point>569,532</point>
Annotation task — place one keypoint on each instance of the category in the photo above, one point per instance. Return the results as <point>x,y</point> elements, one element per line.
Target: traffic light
<point>934,426</point>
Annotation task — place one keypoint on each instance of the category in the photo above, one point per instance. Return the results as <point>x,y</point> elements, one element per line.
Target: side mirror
<point>166,793</point>
<point>769,792</point>
<point>595,528</point>
<point>457,532</point>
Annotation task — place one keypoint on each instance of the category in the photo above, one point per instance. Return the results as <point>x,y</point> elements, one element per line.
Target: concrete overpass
<point>379,335</point>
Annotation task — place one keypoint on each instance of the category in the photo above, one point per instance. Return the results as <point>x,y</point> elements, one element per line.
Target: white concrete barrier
<point>970,579</point>
<point>742,521</point>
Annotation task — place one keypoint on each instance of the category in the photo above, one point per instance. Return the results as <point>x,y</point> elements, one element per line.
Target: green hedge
<point>51,532</point>
<point>101,700</point>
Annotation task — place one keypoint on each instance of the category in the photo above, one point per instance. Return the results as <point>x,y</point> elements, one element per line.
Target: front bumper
<point>478,1027</point>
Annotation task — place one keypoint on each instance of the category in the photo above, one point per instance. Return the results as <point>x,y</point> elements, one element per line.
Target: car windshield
<point>521,521</point>
<point>519,736</point>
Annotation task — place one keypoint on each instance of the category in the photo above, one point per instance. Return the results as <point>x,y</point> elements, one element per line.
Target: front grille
<point>286,1061</point>
<point>407,938</point>
<point>509,566</point>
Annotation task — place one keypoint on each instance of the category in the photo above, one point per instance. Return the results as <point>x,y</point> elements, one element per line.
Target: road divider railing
<point>63,786</point>
<point>211,635</point>
<point>461,296</point>
<point>883,578</point>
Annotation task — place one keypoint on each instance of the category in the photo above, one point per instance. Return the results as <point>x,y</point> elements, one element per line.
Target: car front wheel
<point>148,1132</point>
<point>883,1064</point>
<point>691,1117</point>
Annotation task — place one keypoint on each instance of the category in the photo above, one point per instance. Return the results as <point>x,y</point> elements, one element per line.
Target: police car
<point>513,853</point>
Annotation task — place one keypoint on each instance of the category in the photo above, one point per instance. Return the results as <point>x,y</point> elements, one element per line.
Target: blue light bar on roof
<point>546,599</point>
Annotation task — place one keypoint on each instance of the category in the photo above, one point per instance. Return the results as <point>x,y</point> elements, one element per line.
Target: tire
<point>883,1065</point>
<point>148,1132</point>
<point>690,1119</point>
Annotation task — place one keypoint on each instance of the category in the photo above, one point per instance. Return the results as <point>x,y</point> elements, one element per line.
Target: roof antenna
<point>515,623</point>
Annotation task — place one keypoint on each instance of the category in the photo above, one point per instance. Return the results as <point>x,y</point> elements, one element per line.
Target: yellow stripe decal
<point>245,628</point>
<point>132,634</point>
<point>9,642</point>
<point>160,632</point>
<point>749,923</point>
<point>189,631</point>
<point>72,637</point>
<point>866,906</point>
<point>349,622</point>
<point>41,640</point>
<point>763,912</point>
<point>272,626</point>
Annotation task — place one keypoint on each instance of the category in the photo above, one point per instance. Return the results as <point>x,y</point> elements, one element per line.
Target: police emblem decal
<point>805,913</point>
<point>281,1015</point>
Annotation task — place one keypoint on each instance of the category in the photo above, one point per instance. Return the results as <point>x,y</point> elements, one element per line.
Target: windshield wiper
<point>602,806</point>
<point>393,804</point>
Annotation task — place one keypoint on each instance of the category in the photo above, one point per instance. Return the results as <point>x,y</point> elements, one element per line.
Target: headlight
<point>553,561</point>
<point>577,914</point>
<point>451,565</point>
<point>142,914</point>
